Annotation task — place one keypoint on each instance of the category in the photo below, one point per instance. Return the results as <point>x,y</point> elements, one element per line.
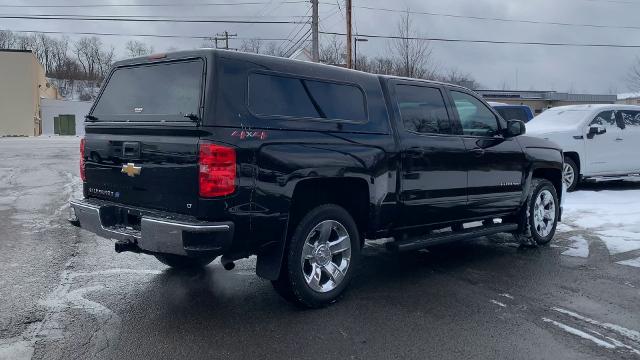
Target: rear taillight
<point>82,164</point>
<point>217,170</point>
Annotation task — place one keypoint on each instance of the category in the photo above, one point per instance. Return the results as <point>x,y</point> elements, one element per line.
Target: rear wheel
<point>540,214</point>
<point>184,262</point>
<point>570,174</point>
<point>320,257</point>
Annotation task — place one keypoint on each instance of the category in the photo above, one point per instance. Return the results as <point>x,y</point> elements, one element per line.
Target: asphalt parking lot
<point>66,294</point>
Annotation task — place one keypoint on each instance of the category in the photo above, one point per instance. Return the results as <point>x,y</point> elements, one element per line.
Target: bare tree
<point>273,49</point>
<point>252,46</point>
<point>333,51</point>
<point>7,40</point>
<point>633,78</point>
<point>136,48</point>
<point>456,77</point>
<point>362,63</point>
<point>382,65</point>
<point>413,57</point>
<point>25,42</point>
<point>94,61</point>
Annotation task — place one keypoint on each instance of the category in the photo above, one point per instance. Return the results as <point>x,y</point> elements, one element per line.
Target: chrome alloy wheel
<point>326,256</point>
<point>568,175</point>
<point>544,213</point>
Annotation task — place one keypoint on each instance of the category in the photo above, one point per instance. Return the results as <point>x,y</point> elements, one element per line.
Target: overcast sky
<point>600,70</point>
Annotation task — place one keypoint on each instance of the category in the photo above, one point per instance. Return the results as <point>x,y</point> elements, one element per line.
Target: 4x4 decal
<point>244,134</point>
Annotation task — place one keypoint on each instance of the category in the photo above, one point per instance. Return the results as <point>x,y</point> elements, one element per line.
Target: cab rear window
<point>156,92</point>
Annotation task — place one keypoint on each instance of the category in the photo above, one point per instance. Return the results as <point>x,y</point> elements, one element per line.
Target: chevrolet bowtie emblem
<point>131,169</point>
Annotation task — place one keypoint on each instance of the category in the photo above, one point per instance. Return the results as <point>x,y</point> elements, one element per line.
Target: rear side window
<point>630,117</point>
<point>423,109</point>
<point>513,113</point>
<point>169,90</point>
<point>290,97</point>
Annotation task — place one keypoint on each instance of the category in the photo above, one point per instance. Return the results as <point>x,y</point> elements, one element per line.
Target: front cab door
<point>496,165</point>
<point>433,178</point>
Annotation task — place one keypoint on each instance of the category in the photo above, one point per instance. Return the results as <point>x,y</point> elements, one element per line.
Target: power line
<point>295,46</point>
<point>299,30</point>
<point>188,18</point>
<point>135,35</point>
<point>498,19</point>
<point>486,41</point>
<point>133,19</point>
<point>306,14</point>
<point>149,5</point>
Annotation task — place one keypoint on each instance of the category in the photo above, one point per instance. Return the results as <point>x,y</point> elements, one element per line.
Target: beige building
<point>22,84</point>
<point>540,101</point>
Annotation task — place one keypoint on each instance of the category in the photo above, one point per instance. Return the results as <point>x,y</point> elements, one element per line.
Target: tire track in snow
<point>61,299</point>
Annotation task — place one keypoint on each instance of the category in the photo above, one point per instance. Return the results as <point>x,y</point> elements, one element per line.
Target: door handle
<point>478,152</point>
<point>619,139</point>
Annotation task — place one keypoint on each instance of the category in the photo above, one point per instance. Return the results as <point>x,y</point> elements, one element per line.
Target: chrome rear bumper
<point>156,232</point>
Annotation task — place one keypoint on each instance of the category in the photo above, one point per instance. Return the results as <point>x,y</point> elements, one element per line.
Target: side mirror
<point>596,130</point>
<point>515,128</point>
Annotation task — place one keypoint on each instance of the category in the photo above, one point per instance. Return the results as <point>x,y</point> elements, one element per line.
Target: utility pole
<point>315,51</point>
<point>349,37</point>
<point>223,37</point>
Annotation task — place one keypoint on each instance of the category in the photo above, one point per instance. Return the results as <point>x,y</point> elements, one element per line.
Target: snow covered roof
<point>628,96</point>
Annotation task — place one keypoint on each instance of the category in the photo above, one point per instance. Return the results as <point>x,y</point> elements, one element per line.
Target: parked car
<point>599,141</point>
<point>217,153</point>
<point>513,112</point>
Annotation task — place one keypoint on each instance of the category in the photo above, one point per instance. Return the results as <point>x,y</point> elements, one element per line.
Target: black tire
<point>184,262</point>
<point>576,174</point>
<point>531,234</point>
<point>291,284</point>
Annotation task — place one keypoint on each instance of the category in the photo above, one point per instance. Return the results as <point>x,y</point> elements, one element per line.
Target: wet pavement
<point>64,293</point>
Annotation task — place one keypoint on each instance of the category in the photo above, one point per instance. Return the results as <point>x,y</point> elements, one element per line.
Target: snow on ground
<point>579,247</point>
<point>612,215</point>
<point>632,262</point>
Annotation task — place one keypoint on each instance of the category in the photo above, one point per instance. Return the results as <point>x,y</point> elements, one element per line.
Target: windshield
<point>512,113</point>
<point>561,117</point>
<point>165,91</point>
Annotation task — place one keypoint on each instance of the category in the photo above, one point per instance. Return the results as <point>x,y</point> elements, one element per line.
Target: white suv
<point>597,140</point>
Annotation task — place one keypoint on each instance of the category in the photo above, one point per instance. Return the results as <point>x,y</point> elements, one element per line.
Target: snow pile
<point>612,215</point>
<point>579,247</point>
<point>628,96</point>
<point>78,90</point>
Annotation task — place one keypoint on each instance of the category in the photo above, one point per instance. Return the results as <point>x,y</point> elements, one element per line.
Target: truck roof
<point>315,68</point>
<point>595,107</point>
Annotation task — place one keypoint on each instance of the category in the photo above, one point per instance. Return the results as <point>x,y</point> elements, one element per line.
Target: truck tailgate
<point>154,171</point>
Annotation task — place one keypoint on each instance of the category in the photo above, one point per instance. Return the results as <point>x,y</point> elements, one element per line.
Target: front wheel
<point>541,213</point>
<point>570,174</point>
<point>320,257</point>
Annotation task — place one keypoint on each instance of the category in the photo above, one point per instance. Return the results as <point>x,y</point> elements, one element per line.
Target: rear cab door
<point>630,120</point>
<point>604,150</point>
<point>433,177</point>
<point>141,143</point>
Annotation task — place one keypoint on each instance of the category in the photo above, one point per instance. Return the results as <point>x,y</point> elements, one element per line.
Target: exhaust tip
<point>227,264</point>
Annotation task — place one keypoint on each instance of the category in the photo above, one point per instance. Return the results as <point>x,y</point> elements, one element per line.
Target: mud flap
<point>523,234</point>
<point>270,258</point>
<point>270,261</point>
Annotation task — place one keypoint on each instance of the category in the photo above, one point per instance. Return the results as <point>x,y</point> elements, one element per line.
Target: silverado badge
<point>131,169</point>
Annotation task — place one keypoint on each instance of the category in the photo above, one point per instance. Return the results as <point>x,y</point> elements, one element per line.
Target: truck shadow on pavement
<point>224,311</point>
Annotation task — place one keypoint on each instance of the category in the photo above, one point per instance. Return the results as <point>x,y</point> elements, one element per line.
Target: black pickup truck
<point>193,155</point>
